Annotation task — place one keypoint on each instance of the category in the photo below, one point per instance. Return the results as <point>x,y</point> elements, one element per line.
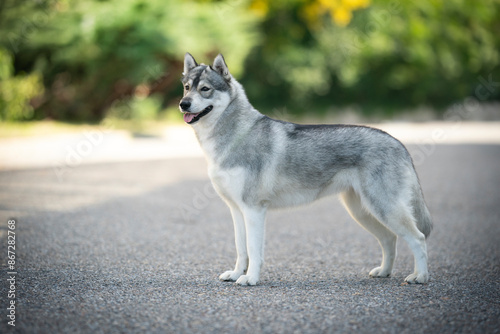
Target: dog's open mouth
<point>191,118</point>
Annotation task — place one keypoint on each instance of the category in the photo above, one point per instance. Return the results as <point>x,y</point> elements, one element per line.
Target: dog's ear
<point>221,67</point>
<point>189,63</point>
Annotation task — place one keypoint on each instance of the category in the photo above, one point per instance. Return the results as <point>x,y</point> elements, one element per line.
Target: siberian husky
<point>257,163</point>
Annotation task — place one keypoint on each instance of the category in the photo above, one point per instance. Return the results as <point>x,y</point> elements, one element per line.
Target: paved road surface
<point>137,247</point>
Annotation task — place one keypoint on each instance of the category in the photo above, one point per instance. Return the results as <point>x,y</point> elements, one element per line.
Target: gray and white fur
<point>257,163</point>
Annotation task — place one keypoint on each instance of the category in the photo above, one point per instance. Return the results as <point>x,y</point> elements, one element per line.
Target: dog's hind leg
<point>241,246</point>
<point>385,237</point>
<point>398,218</point>
<point>403,224</point>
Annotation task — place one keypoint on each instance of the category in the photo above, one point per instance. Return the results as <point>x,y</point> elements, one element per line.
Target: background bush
<point>80,60</point>
<point>392,54</point>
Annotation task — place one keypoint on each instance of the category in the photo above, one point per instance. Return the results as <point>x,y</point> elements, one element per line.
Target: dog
<point>258,163</point>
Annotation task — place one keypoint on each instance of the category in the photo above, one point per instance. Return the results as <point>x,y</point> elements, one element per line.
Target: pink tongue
<point>188,117</point>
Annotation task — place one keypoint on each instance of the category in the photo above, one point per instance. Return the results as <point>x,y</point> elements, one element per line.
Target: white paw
<point>417,278</point>
<point>230,276</point>
<point>378,272</point>
<point>247,280</point>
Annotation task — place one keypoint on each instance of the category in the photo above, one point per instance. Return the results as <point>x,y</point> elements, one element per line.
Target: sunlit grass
<point>38,128</point>
<point>137,127</point>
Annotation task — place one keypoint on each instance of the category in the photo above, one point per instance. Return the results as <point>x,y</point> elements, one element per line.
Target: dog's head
<point>206,89</point>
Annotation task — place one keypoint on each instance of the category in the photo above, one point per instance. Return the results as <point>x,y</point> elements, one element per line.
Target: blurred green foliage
<point>17,91</point>
<point>392,54</point>
<point>94,54</point>
<point>82,60</point>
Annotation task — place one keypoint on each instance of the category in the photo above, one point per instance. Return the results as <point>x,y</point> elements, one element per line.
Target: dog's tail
<point>421,213</point>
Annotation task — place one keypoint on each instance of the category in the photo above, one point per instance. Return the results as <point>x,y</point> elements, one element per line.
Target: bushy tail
<point>421,213</point>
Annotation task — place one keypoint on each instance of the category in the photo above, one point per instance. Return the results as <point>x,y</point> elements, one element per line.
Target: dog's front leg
<point>241,246</point>
<point>255,218</point>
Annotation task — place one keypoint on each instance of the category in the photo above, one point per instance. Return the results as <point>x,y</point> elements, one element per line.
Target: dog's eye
<point>205,89</point>
<point>186,87</point>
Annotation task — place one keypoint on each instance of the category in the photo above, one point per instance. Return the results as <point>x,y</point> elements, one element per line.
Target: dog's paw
<point>417,278</point>
<point>230,276</point>
<point>247,280</point>
<point>378,272</point>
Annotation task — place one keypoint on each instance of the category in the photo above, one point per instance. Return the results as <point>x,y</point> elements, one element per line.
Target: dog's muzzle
<point>191,118</point>
<point>185,105</point>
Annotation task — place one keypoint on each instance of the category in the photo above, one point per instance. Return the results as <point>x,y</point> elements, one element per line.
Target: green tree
<point>95,53</point>
<point>125,55</point>
<point>16,92</point>
<point>393,52</point>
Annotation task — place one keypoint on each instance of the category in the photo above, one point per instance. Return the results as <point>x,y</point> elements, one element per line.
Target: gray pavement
<point>136,247</point>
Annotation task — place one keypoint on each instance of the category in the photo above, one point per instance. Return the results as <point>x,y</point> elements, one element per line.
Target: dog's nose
<point>185,105</point>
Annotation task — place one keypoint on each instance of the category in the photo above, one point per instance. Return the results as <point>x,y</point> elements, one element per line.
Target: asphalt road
<point>137,248</point>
